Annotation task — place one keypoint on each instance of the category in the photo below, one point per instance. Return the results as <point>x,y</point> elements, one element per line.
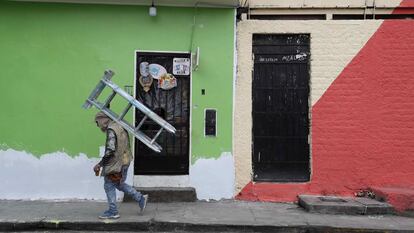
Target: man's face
<point>103,129</point>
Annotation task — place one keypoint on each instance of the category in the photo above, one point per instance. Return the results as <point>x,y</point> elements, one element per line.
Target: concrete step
<point>344,205</point>
<point>401,198</point>
<point>166,194</point>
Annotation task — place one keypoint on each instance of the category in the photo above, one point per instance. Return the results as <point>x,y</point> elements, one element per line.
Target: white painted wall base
<point>56,176</point>
<point>212,178</point>
<point>161,181</point>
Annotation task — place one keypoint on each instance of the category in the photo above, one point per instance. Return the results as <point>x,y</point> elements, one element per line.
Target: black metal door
<point>281,107</point>
<point>173,106</point>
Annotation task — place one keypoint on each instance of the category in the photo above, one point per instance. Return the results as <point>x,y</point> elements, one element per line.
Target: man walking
<point>114,164</point>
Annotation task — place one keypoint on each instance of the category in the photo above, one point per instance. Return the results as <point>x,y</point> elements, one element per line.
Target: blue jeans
<point>110,191</point>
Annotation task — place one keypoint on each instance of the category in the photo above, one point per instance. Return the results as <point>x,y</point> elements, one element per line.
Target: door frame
<point>164,180</point>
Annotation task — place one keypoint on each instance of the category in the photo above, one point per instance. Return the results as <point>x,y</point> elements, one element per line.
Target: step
<point>402,198</point>
<point>344,205</point>
<point>166,194</point>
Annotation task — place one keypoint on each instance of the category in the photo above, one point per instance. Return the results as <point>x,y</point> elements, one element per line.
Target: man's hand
<point>96,169</point>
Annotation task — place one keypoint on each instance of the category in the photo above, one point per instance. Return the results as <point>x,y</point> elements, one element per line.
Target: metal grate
<point>172,105</point>
<point>280,107</point>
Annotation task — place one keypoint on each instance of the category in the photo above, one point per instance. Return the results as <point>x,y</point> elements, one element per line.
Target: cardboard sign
<point>181,66</point>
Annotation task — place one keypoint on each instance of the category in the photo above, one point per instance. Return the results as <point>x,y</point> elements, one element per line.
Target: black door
<point>173,106</point>
<point>281,107</point>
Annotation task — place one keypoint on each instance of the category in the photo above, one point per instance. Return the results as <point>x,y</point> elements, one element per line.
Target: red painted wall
<point>363,126</point>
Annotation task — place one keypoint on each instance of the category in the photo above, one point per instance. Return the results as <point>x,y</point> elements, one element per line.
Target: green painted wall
<point>52,55</point>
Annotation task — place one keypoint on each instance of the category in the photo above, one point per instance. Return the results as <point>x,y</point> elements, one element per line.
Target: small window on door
<point>210,122</point>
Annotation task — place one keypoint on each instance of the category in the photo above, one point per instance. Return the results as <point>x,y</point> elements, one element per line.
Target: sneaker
<point>143,202</point>
<point>108,215</point>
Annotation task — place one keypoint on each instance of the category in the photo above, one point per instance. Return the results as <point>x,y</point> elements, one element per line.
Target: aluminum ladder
<point>93,101</point>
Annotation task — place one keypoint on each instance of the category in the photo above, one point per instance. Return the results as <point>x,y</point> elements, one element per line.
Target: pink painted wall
<point>363,125</point>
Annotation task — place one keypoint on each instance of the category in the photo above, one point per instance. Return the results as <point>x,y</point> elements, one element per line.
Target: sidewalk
<point>235,216</point>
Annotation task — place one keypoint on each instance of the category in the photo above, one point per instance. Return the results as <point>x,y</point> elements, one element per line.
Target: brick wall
<point>333,45</point>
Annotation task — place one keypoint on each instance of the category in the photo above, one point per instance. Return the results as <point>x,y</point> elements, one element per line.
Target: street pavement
<point>222,216</point>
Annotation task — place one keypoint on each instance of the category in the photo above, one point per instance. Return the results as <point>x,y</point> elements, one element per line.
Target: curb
<point>154,226</point>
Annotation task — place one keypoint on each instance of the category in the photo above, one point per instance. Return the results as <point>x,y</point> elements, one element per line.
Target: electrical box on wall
<point>196,59</point>
<point>210,122</point>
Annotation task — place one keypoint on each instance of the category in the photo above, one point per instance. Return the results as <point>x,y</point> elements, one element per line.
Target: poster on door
<point>181,66</point>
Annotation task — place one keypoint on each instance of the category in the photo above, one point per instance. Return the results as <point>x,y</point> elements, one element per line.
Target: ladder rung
<point>109,99</point>
<point>98,89</point>
<point>153,145</point>
<point>125,111</point>
<point>141,122</point>
<point>156,136</point>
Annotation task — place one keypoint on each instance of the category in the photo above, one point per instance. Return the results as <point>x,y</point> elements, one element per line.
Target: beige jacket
<point>122,155</point>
